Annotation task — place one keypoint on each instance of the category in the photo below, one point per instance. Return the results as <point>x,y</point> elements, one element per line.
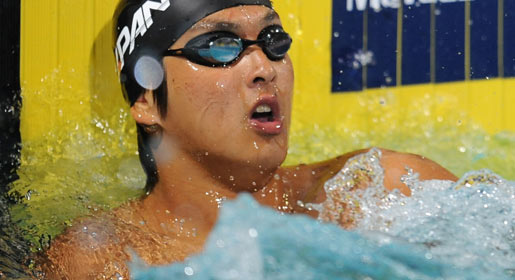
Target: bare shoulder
<point>91,249</point>
<point>395,165</point>
<point>101,247</point>
<point>314,176</point>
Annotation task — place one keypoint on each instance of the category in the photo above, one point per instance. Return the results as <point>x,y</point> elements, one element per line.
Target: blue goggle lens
<point>221,48</point>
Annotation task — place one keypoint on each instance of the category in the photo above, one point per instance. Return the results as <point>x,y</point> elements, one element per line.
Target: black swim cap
<point>144,29</point>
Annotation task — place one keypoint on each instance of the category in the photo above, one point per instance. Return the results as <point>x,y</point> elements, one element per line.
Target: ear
<point>145,110</point>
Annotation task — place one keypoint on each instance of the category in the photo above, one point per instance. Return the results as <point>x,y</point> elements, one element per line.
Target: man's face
<point>212,111</point>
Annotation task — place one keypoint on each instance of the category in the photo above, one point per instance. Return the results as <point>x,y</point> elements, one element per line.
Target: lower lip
<point>268,128</point>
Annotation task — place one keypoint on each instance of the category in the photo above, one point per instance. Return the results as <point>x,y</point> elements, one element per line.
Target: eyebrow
<point>217,25</point>
<point>270,16</point>
<point>231,26</point>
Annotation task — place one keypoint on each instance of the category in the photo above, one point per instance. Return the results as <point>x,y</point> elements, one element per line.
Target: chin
<point>271,156</point>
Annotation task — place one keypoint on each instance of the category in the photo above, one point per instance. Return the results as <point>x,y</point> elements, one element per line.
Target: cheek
<point>285,84</point>
<point>287,73</point>
<point>200,98</point>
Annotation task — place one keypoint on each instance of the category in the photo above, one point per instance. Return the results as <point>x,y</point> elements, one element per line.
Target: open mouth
<point>265,116</point>
<point>263,113</point>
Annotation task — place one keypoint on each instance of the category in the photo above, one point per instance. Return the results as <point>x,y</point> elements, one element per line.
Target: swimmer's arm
<point>393,163</point>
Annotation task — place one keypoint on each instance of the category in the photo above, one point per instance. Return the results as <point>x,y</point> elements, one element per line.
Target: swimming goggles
<point>222,48</point>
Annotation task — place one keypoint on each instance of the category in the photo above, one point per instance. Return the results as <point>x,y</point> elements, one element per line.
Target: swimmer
<point>210,85</point>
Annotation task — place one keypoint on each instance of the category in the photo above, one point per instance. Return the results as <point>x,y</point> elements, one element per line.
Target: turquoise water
<point>445,230</point>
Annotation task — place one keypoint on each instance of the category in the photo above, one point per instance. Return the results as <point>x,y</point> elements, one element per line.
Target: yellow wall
<point>58,62</point>
<point>67,74</point>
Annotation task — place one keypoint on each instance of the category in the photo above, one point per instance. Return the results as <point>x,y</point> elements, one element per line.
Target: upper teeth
<point>263,109</point>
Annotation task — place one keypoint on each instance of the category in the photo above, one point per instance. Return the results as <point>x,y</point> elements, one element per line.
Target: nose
<point>262,70</point>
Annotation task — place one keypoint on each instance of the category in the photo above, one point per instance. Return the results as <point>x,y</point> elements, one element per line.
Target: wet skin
<point>208,149</point>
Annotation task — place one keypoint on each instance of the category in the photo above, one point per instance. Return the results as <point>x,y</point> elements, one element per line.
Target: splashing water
<point>445,230</point>
<point>469,223</point>
<point>344,196</point>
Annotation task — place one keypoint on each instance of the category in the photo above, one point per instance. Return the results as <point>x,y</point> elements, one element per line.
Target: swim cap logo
<point>141,21</point>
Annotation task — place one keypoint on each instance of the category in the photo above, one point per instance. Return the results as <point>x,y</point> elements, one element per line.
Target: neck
<point>192,188</point>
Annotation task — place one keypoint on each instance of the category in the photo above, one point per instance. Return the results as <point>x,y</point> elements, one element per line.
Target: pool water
<point>445,230</point>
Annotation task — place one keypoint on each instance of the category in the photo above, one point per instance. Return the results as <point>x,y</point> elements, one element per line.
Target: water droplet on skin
<point>231,178</point>
<point>256,145</point>
<point>188,271</point>
<point>192,66</point>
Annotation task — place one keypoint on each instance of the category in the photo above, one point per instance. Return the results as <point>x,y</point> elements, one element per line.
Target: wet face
<point>236,115</point>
